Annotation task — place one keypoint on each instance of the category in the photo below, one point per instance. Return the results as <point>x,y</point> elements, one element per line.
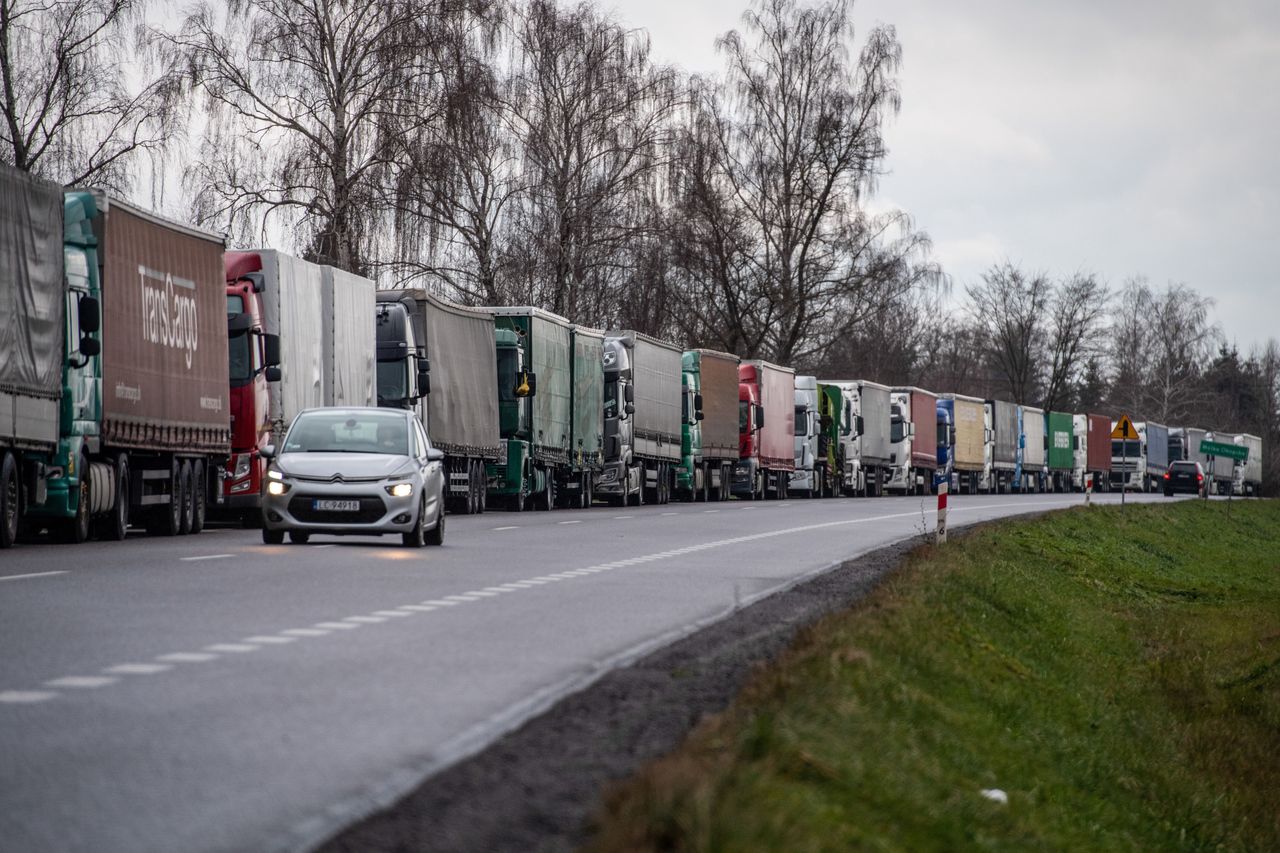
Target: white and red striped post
<point>1088,489</point>
<point>943,487</point>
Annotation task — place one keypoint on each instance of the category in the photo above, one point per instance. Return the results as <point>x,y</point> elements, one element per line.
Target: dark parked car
<point>1186,477</point>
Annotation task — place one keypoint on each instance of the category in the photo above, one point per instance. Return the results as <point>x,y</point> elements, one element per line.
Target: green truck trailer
<point>1059,429</point>
<point>551,410</point>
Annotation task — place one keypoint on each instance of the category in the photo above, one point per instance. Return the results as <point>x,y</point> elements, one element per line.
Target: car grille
<point>371,509</point>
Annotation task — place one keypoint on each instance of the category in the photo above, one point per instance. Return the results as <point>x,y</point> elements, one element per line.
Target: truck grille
<point>371,509</point>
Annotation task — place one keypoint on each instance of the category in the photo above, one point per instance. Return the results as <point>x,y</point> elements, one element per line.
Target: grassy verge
<point>1117,674</point>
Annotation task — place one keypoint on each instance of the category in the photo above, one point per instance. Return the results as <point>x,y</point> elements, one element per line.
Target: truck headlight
<point>400,490</point>
<point>275,487</point>
<point>243,463</point>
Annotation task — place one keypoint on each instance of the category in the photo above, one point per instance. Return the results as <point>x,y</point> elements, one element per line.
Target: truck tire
<point>199,496</point>
<point>169,519</point>
<point>548,500</point>
<point>9,498</point>
<point>74,530</point>
<point>185,505</point>
<point>115,526</point>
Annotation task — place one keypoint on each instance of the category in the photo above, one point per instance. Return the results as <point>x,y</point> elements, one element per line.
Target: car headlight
<point>275,487</point>
<point>274,474</point>
<point>400,490</point>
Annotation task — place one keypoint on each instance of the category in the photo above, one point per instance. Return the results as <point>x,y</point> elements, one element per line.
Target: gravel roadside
<point>536,788</point>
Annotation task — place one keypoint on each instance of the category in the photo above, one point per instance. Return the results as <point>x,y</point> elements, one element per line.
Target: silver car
<point>354,471</point>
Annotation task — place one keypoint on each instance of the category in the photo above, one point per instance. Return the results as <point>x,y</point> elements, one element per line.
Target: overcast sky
<point>1121,138</point>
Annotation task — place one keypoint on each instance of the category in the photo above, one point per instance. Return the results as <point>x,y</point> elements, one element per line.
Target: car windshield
<point>1183,466</point>
<point>349,432</point>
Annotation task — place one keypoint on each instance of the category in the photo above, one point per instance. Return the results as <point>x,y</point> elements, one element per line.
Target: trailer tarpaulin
<point>32,285</point>
<point>350,336</point>
<point>462,408</point>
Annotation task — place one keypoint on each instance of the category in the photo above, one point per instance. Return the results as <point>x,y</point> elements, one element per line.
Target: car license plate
<point>335,506</point>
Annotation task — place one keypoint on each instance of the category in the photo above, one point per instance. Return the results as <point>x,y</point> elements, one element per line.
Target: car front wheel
<point>272,537</point>
<point>415,538</point>
<point>435,536</point>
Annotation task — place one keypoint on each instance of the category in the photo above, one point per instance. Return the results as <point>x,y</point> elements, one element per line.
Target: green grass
<point>1117,673</point>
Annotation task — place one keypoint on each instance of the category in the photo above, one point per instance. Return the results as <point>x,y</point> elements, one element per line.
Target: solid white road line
<point>32,575</point>
<point>87,682</point>
<point>187,657</point>
<point>205,557</point>
<point>26,697</point>
<point>138,668</point>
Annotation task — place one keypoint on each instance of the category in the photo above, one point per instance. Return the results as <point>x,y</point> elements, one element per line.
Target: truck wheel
<point>199,497</point>
<point>484,489</point>
<point>74,530</point>
<point>9,496</point>
<point>548,501</point>
<point>170,521</point>
<point>184,507</point>
<point>116,526</point>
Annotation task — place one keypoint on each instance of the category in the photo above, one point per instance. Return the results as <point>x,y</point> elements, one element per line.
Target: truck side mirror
<point>629,408</point>
<point>697,403</point>
<point>90,347</point>
<point>90,316</point>
<point>759,416</point>
<point>424,381</point>
<point>271,351</point>
<point>860,425</point>
<point>629,393</point>
<point>911,430</point>
<point>273,373</point>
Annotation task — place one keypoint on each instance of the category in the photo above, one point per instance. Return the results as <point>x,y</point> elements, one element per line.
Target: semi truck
<point>1061,458</point>
<point>542,372</point>
<point>807,477</point>
<point>1218,469</point>
<point>913,415</point>
<point>113,373</point>
<point>766,430</point>
<point>1002,445</point>
<point>966,462</point>
<point>1248,474</point>
<point>441,360</point>
<point>1091,452</point>
<point>1139,464</point>
<point>643,378</point>
<point>1178,450</point>
<point>299,335</point>
<point>837,441</point>
<point>709,437</point>
<point>275,305</point>
<point>1032,468</point>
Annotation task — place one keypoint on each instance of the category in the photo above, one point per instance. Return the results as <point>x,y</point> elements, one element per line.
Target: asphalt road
<point>214,693</point>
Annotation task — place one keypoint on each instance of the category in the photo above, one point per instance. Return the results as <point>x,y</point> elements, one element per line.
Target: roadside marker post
<point>1088,489</point>
<point>942,511</point>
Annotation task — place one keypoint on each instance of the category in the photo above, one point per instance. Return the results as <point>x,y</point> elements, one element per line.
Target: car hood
<point>349,465</point>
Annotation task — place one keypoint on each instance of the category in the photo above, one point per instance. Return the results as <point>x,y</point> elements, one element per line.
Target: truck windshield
<point>240,357</point>
<point>235,304</point>
<point>346,432</point>
<point>507,375</point>
<point>393,381</point>
<point>1131,449</point>
<point>802,420</point>
<point>744,415</point>
<point>896,430</point>
<point>943,434</point>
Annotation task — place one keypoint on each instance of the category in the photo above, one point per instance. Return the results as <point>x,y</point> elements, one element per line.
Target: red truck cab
<point>253,358</point>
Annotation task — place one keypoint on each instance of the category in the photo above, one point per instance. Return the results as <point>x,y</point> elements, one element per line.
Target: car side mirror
<point>273,373</point>
<point>271,350</point>
<point>90,315</point>
<point>90,347</point>
<point>268,451</point>
<point>434,455</point>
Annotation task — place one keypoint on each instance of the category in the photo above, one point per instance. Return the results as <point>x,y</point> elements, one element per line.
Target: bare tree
<point>1077,311</point>
<point>1182,342</point>
<point>66,111</point>
<point>1009,305</point>
<point>301,93</point>
<point>780,254</point>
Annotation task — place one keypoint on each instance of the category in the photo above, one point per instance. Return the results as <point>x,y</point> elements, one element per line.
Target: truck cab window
<point>897,432</point>
<point>744,415</point>
<point>393,381</point>
<point>235,305</point>
<point>240,357</point>
<point>611,399</point>
<point>507,370</point>
<point>802,420</point>
<point>943,434</point>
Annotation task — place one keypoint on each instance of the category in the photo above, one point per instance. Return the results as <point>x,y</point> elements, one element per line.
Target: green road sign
<point>1227,451</point>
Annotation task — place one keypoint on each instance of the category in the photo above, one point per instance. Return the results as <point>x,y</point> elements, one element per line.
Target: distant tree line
<point>524,151</point>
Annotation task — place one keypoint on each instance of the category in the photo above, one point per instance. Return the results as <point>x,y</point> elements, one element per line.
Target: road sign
<point>1227,451</point>
<point>1125,429</point>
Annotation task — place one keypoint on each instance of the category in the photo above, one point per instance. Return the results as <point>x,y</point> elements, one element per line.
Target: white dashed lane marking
<point>511,527</point>
<point>82,682</point>
<point>138,668</point>
<point>205,557</point>
<point>232,648</point>
<point>25,697</point>
<point>338,626</point>
<point>366,620</point>
<point>575,521</point>
<point>305,632</point>
<point>187,657</point>
<point>270,640</point>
